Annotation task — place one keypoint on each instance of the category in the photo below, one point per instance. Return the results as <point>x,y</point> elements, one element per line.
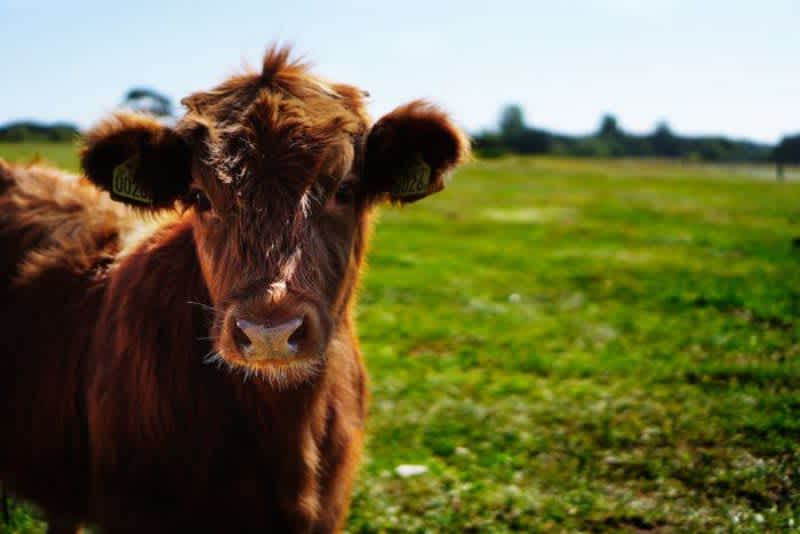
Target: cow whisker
<point>213,357</point>
<point>205,307</point>
<point>248,372</point>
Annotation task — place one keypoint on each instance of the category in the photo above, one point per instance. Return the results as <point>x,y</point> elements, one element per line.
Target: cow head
<point>277,171</point>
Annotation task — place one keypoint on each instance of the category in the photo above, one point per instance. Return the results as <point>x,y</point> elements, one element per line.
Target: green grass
<point>63,155</point>
<point>582,346</point>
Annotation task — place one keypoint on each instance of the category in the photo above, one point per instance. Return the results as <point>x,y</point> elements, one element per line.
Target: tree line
<point>31,131</point>
<point>514,136</point>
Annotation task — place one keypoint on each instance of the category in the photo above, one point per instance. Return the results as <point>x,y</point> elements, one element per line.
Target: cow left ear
<point>410,151</point>
<point>140,161</point>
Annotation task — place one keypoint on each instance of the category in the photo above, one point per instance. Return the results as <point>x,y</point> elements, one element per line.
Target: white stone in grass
<point>410,470</point>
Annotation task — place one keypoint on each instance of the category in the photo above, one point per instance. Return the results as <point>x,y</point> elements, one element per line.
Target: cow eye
<point>345,193</point>
<point>199,200</point>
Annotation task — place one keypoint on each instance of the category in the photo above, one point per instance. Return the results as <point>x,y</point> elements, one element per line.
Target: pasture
<point>577,345</point>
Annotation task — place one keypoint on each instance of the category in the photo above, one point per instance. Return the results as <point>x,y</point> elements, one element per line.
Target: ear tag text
<point>124,184</point>
<point>414,179</point>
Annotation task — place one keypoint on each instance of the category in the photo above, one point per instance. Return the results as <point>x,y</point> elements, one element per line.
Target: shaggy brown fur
<point>112,412</point>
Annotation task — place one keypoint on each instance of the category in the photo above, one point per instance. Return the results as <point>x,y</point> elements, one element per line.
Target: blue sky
<point>705,66</point>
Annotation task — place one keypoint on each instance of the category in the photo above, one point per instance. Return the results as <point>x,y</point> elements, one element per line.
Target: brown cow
<point>197,370</point>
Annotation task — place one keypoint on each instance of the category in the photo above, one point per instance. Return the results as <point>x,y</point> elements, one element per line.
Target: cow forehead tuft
<point>275,140</point>
<point>281,77</point>
<point>271,133</point>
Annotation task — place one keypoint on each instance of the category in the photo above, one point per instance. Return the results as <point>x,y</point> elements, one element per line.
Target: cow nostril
<point>297,337</point>
<point>241,339</point>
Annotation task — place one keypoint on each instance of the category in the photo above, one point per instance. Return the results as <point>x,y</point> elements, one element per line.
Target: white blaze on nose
<point>278,289</point>
<point>305,205</point>
<point>287,272</point>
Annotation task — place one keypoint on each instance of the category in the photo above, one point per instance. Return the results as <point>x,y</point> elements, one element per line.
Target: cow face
<point>277,172</point>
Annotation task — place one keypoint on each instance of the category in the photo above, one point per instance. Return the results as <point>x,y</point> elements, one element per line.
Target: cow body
<point>166,455</point>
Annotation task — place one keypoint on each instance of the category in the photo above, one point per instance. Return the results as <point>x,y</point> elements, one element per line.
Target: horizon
<point>491,129</point>
<point>717,69</point>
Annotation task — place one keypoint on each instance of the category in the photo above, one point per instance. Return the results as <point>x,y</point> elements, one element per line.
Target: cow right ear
<point>410,151</point>
<point>140,161</point>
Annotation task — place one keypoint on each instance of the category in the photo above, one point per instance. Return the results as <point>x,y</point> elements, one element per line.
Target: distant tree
<point>664,143</point>
<point>512,121</point>
<point>611,141</point>
<point>148,101</point>
<point>517,136</point>
<point>609,127</point>
<point>787,153</point>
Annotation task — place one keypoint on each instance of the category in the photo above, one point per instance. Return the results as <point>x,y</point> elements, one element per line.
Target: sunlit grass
<point>63,155</point>
<point>576,345</point>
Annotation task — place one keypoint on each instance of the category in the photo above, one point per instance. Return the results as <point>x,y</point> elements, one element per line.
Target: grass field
<point>580,346</point>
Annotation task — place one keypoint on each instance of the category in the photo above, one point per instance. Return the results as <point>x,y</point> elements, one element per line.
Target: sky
<point>704,66</point>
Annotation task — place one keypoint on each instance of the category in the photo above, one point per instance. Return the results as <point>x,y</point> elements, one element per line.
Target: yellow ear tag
<point>414,179</point>
<point>124,185</point>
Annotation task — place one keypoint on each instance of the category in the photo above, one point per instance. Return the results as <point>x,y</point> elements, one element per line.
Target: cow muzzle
<point>281,341</point>
<point>276,334</point>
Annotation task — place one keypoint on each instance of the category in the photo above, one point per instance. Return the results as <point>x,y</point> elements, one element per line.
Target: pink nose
<point>261,342</point>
